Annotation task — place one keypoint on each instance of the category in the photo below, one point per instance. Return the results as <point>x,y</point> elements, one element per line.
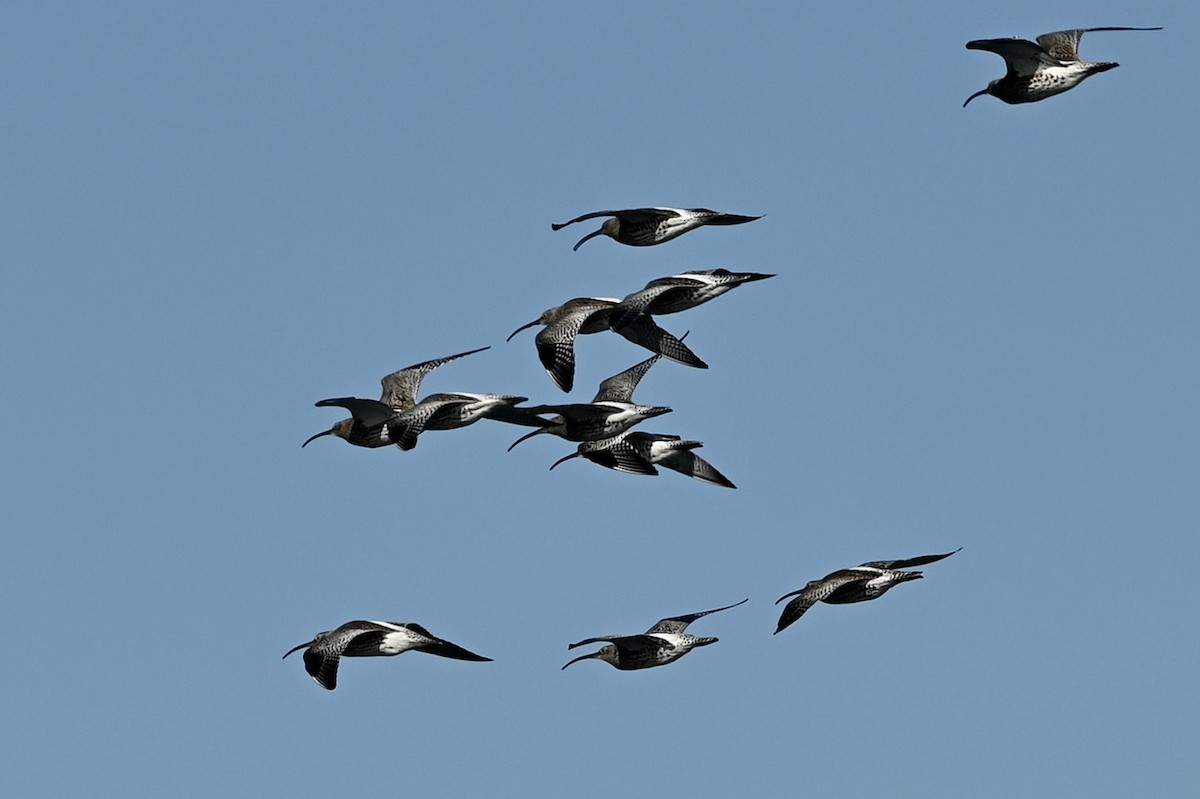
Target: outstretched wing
<point>677,624</point>
<point>619,454</point>
<point>1064,45</point>
<point>626,643</point>
<point>620,387</point>
<point>645,332</point>
<point>1022,57</point>
<point>592,215</point>
<point>400,387</point>
<point>908,562</point>
<point>364,411</point>
<point>556,342</point>
<point>440,646</point>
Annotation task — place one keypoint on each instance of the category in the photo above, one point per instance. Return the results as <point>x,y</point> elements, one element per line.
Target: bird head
<point>611,228</point>
<point>341,430</point>
<point>607,653</point>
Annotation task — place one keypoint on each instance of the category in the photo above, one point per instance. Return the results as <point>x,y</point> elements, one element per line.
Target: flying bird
<point>635,452</point>
<point>676,293</point>
<point>584,315</point>
<point>663,643</point>
<point>871,580</point>
<point>361,639</point>
<point>611,412</point>
<point>643,227</point>
<point>373,423</point>
<point>398,418</point>
<point>1042,69</point>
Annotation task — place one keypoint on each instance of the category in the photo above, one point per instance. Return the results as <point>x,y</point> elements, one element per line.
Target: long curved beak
<point>296,648</point>
<point>527,435</point>
<point>592,235</point>
<point>328,432</point>
<point>522,327</point>
<point>562,459</point>
<point>973,96</point>
<point>581,657</point>
<point>785,596</point>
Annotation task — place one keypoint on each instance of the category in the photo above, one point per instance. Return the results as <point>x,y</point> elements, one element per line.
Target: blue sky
<point>983,333</point>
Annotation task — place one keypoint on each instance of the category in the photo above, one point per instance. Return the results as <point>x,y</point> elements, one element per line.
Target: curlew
<point>644,227</point>
<point>371,639</point>
<point>373,423</point>
<point>584,315</point>
<point>635,452</point>
<point>1042,69</point>
<point>676,293</point>
<point>663,643</point>
<point>611,412</point>
<point>871,580</point>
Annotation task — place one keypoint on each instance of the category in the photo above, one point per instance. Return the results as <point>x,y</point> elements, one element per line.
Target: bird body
<point>611,412</point>
<point>1041,69</point>
<point>644,227</point>
<point>665,642</point>
<point>375,423</point>
<point>398,418</point>
<point>871,580</point>
<point>592,421</point>
<point>635,452</point>
<point>449,411</point>
<point>371,639</point>
<point>676,293</point>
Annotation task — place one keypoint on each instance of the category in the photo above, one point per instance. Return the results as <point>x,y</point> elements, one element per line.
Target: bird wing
<point>729,219</point>
<point>907,562</point>
<point>664,295</point>
<point>408,425</point>
<point>400,387</point>
<point>322,667</point>
<point>620,387</point>
<point>1061,45</point>
<point>592,215</point>
<point>556,341</point>
<point>645,226</point>
<point>1064,45</point>
<point>677,624</point>
<point>677,455</point>
<point>626,643</point>
<point>1022,57</point>
<point>645,332</point>
<point>365,411</point>
<point>814,592</point>
<point>619,454</point>
<point>439,646</point>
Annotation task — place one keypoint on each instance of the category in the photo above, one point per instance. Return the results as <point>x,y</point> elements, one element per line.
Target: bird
<point>584,315</point>
<point>871,580</point>
<point>635,452</point>
<point>372,423</point>
<point>611,412</point>
<point>663,643</point>
<point>372,639</point>
<point>398,418</point>
<point>676,293</point>
<point>1042,69</point>
<point>644,227</point>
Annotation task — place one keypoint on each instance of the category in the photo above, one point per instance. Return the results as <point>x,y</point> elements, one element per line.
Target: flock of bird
<point>603,428</point>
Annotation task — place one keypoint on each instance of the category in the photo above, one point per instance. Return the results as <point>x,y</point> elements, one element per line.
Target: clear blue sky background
<point>983,333</point>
